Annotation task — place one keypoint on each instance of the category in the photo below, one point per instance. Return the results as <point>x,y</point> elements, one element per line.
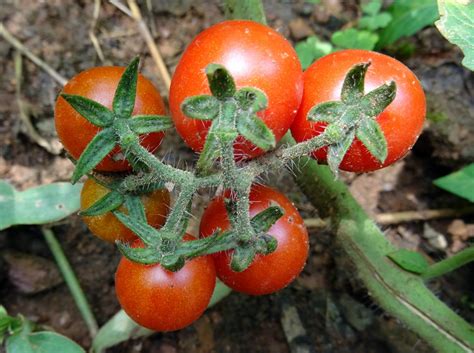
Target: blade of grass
<point>71,280</point>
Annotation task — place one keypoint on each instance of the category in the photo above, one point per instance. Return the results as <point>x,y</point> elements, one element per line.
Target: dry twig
<point>22,49</point>
<point>134,12</point>
<point>92,35</point>
<point>155,53</point>
<point>25,111</point>
<point>403,217</point>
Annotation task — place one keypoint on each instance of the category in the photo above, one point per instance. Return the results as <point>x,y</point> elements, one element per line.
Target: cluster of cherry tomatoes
<point>256,56</point>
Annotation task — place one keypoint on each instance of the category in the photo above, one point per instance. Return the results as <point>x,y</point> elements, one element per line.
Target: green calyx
<point>118,125</point>
<point>117,197</point>
<point>260,243</point>
<point>233,113</point>
<point>354,117</point>
<point>163,247</point>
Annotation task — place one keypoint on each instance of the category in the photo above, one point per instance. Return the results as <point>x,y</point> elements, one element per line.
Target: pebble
<point>31,274</point>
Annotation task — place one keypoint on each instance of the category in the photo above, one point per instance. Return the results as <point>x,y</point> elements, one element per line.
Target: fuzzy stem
<point>165,171</point>
<point>177,219</point>
<point>234,179</point>
<point>450,264</point>
<point>400,293</point>
<point>280,157</point>
<point>71,280</point>
<point>240,220</point>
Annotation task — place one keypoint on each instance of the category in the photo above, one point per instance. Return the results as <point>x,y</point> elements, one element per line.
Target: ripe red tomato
<point>162,300</point>
<point>256,56</point>
<point>107,227</point>
<point>267,273</point>
<point>99,84</point>
<point>401,122</point>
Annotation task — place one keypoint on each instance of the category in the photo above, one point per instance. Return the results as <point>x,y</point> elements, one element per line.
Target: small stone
<point>291,322</point>
<point>295,333</point>
<point>435,238</point>
<point>65,319</point>
<point>167,348</point>
<point>170,48</point>
<point>299,29</point>
<point>358,315</point>
<point>31,274</point>
<point>458,229</point>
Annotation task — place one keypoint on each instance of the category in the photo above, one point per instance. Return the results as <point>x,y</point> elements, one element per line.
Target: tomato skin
<point>99,84</point>
<point>401,122</point>
<point>256,56</point>
<point>162,300</point>
<point>107,227</point>
<point>269,273</point>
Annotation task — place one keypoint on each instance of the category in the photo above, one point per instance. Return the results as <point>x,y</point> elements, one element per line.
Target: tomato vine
<point>233,113</point>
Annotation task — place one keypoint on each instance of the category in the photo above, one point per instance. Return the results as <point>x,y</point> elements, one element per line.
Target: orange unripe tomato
<point>107,227</point>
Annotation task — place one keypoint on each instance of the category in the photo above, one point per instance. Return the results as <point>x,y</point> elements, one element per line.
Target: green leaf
<point>371,135</point>
<point>373,23</point>
<point>410,261</point>
<point>145,124</point>
<point>109,202</point>
<point>39,205</point>
<point>242,258</point>
<point>337,151</point>
<point>135,207</point>
<point>119,328</point>
<point>255,130</point>
<point>311,49</point>
<point>144,231</point>
<point>172,262</point>
<point>93,111</point>
<point>99,147</point>
<point>251,99</point>
<point>145,256</point>
<point>372,7</point>
<point>375,102</point>
<point>408,17</point>
<point>264,220</point>
<point>266,244</point>
<point>196,247</point>
<point>124,98</point>
<point>326,112</point>
<point>353,87</point>
<point>245,10</point>
<point>352,38</point>
<point>221,82</point>
<point>202,107</point>
<point>41,342</point>
<point>457,25</point>
<point>5,323</point>
<point>460,183</point>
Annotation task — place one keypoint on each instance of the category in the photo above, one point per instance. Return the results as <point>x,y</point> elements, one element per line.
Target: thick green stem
<point>450,264</point>
<point>400,293</point>
<point>71,280</point>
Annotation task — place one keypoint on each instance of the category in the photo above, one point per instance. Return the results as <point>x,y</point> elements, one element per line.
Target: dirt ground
<point>332,311</point>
